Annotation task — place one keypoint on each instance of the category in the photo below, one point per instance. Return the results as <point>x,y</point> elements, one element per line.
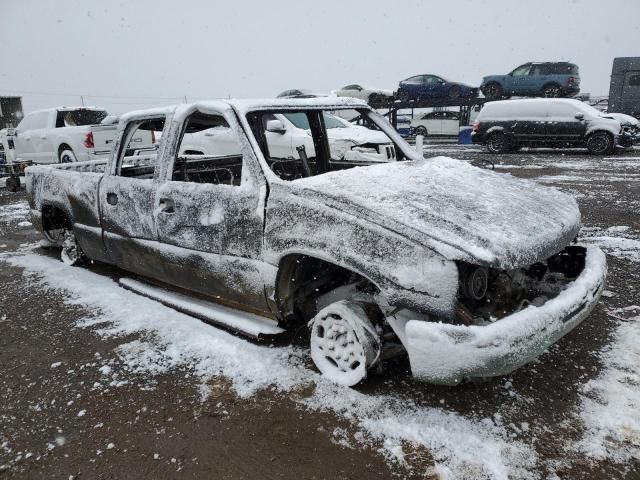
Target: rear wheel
<point>497,143</point>
<point>67,156</point>
<point>600,143</point>
<point>552,91</point>
<point>344,342</point>
<point>403,96</point>
<point>492,91</point>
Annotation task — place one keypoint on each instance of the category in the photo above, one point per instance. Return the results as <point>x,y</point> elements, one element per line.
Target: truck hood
<point>462,212</point>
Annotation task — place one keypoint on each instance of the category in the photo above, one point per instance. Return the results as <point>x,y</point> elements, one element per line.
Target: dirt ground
<point>160,426</point>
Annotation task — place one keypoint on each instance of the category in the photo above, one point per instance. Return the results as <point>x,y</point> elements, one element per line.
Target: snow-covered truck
<point>473,272</point>
<point>68,134</point>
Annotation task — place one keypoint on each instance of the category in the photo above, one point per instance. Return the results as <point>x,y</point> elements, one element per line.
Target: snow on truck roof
<point>66,109</point>
<point>247,105</point>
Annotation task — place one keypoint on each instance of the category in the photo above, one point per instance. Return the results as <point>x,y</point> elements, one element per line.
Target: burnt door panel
<point>212,241</point>
<point>126,206</point>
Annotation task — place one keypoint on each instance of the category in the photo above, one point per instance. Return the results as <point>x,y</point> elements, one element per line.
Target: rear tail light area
<point>153,137</point>
<point>88,140</point>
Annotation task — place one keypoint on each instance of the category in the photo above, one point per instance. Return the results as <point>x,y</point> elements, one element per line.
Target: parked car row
<point>69,134</point>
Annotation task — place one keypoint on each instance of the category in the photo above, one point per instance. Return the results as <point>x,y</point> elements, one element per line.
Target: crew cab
<point>508,125</point>
<point>287,132</point>
<point>68,134</point>
<point>472,272</point>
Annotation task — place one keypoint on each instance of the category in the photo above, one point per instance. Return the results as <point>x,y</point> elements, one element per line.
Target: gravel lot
<point>80,401</point>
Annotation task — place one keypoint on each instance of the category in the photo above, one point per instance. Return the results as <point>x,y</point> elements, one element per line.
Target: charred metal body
<point>373,257</point>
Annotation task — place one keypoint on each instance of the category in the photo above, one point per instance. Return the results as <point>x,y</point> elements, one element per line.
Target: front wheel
<point>600,143</point>
<point>493,91</point>
<point>67,156</point>
<point>71,253</point>
<point>422,131</point>
<point>344,342</point>
<point>497,143</point>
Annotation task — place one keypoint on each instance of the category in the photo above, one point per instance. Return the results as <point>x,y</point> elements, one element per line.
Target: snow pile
<point>462,447</point>
<point>610,406</point>
<point>14,212</point>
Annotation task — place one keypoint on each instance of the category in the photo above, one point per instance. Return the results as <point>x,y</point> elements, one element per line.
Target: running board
<point>244,322</point>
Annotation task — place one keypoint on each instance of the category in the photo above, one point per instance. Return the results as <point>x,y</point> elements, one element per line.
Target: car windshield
<point>301,121</point>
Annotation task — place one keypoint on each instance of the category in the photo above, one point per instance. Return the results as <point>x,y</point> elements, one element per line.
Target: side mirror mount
<point>276,126</point>
<point>579,116</point>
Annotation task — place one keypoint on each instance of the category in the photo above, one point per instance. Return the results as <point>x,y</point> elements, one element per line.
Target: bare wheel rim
<point>343,343</point>
<point>71,253</point>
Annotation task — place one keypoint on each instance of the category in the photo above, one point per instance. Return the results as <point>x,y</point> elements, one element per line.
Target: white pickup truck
<point>69,134</point>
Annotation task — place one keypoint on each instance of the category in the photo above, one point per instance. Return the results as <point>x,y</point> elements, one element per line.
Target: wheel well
<point>302,279</point>
<point>606,132</point>
<point>551,84</point>
<point>63,147</point>
<point>54,218</point>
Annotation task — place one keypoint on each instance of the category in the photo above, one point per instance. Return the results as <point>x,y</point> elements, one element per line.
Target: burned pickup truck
<point>472,272</point>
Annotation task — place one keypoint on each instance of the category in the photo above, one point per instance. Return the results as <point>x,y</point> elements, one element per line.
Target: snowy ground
<point>575,413</point>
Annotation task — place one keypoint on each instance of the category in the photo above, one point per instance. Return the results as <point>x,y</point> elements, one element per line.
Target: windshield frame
<point>378,120</point>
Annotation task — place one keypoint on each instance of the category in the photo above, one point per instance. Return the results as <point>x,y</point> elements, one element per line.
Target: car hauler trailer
<point>10,112</point>
<point>624,91</point>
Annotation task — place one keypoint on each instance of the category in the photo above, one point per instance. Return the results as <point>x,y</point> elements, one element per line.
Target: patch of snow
<point>82,413</point>
<point>56,364</point>
<point>610,404</point>
<point>14,212</point>
<point>461,446</point>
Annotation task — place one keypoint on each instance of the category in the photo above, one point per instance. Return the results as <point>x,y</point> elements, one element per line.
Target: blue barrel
<point>464,137</point>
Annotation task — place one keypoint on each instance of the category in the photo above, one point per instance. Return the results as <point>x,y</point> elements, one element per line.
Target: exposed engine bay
<point>487,295</point>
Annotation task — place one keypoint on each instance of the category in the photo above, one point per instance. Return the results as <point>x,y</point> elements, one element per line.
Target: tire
<point>344,342</point>
<point>66,156</point>
<point>421,130</point>
<point>552,90</point>
<point>497,143</point>
<point>454,92</point>
<point>403,96</point>
<point>493,91</point>
<point>600,143</point>
<point>13,184</point>
<point>55,237</point>
<point>71,253</point>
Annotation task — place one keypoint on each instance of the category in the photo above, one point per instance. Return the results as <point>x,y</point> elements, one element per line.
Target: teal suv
<point>542,79</point>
